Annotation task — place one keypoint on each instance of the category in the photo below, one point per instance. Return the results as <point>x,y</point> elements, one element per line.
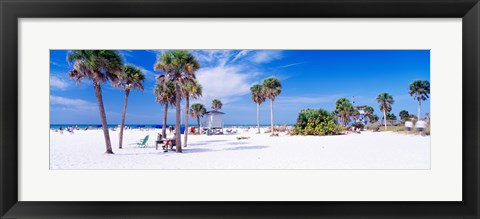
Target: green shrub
<point>315,122</point>
<point>397,128</point>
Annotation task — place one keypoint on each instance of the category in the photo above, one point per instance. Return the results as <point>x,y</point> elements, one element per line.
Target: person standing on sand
<point>409,125</point>
<point>420,125</point>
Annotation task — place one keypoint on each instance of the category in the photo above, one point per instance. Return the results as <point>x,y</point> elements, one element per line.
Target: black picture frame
<point>12,10</point>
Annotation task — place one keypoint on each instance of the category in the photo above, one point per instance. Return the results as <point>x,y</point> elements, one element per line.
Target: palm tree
<point>368,112</point>
<point>403,115</point>
<point>355,115</point>
<point>373,118</point>
<point>385,100</point>
<point>99,66</point>
<point>179,66</point>
<point>391,116</point>
<point>165,95</point>
<point>190,89</point>
<point>197,110</point>
<point>272,88</point>
<point>216,104</point>
<point>258,97</point>
<point>344,110</point>
<point>131,78</point>
<point>420,90</point>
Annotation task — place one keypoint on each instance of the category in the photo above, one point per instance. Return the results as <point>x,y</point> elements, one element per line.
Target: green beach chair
<point>143,142</point>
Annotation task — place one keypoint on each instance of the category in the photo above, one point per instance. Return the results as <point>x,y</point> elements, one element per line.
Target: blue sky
<point>310,79</point>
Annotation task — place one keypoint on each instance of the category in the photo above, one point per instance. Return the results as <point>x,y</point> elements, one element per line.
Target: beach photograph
<point>239,109</point>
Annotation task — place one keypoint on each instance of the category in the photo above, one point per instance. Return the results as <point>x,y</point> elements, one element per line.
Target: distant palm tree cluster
<point>269,89</point>
<point>419,89</point>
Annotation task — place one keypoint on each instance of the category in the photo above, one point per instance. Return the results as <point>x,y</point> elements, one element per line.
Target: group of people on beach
<point>420,125</point>
<point>69,129</point>
<point>352,129</point>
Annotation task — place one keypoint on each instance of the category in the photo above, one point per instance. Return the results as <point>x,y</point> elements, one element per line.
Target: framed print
<point>239,109</point>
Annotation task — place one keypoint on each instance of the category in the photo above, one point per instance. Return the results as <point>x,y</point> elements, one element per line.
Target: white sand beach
<point>368,150</point>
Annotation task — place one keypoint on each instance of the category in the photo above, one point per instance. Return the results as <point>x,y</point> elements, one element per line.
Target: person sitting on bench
<point>158,141</point>
<point>167,142</point>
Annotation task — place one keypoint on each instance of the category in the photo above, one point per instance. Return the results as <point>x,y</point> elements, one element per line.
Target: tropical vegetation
<point>403,115</point>
<point>272,87</point>
<point>197,110</point>
<point>179,67</point>
<point>164,95</point>
<point>385,101</point>
<point>344,110</point>
<point>373,118</point>
<point>190,89</point>
<point>130,78</point>
<point>420,90</point>
<point>178,83</point>
<point>258,96</point>
<point>315,122</point>
<point>391,116</point>
<point>98,66</point>
<point>369,112</point>
<point>216,104</point>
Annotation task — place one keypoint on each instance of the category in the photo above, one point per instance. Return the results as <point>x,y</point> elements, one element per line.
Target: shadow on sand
<point>197,147</point>
<point>206,142</point>
<point>199,150</point>
<point>245,148</point>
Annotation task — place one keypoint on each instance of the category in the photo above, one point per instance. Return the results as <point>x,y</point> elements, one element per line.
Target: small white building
<point>213,122</point>
<point>361,112</point>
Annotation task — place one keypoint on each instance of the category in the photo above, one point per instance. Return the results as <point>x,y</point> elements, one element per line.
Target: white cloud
<point>150,75</point>
<point>58,83</point>
<point>226,83</point>
<point>58,64</point>
<point>240,55</point>
<point>402,97</point>
<point>213,57</point>
<point>290,65</point>
<point>126,53</point>
<point>228,74</point>
<point>63,103</point>
<point>265,56</point>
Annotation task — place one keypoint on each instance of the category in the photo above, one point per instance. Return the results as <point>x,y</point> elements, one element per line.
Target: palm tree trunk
<point>385,119</point>
<point>103,116</point>
<point>178,135</point>
<point>186,120</point>
<point>258,117</point>
<point>164,125</point>
<point>419,105</point>
<point>271,115</point>
<point>198,123</point>
<point>122,123</point>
